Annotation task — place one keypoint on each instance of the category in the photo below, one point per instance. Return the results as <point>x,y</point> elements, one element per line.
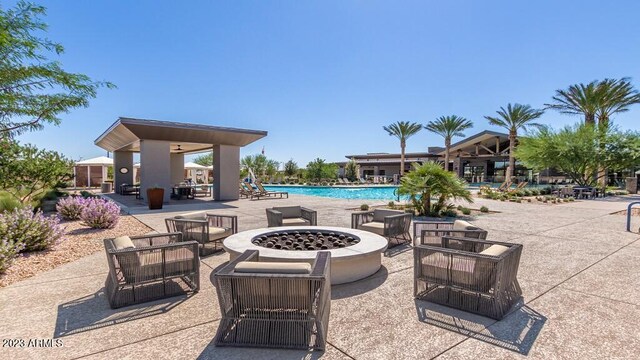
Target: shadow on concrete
<point>517,331</point>
<point>212,352</point>
<point>361,286</point>
<point>397,250</point>
<point>93,312</point>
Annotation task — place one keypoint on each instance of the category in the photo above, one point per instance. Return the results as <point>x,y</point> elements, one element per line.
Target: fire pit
<point>355,254</point>
<point>305,240</point>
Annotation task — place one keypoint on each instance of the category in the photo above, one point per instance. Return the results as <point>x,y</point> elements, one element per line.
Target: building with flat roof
<point>482,157</point>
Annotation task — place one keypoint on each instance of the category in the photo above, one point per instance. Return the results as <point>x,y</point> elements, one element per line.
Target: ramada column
<point>155,167</point>
<point>226,172</point>
<point>122,159</point>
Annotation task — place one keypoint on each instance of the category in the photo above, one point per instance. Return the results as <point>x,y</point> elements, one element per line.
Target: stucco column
<point>226,172</point>
<point>177,168</point>
<point>122,159</point>
<point>457,166</point>
<point>155,166</point>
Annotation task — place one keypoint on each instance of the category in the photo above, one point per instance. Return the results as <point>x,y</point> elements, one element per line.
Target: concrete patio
<point>579,275</point>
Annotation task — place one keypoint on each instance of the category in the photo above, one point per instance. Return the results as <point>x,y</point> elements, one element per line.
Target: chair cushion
<point>374,227</point>
<point>463,225</point>
<point>177,262</point>
<point>123,242</point>
<point>379,215</point>
<point>216,233</point>
<point>295,222</point>
<point>289,211</point>
<point>437,266</point>
<point>273,267</point>
<point>494,250</point>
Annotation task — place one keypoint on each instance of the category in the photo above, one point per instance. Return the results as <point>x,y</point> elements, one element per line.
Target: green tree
<point>318,169</point>
<point>428,181</point>
<point>35,90</point>
<point>352,170</point>
<point>271,168</point>
<point>596,100</point>
<point>204,159</point>
<point>580,151</point>
<point>290,168</point>
<point>514,118</point>
<point>26,171</point>
<point>402,130</point>
<point>448,127</point>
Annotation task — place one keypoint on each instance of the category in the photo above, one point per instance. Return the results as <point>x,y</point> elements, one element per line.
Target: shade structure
<point>91,172</point>
<point>162,146</point>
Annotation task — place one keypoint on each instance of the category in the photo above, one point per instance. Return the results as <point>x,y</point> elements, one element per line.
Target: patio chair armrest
<point>310,215</point>
<point>360,217</point>
<point>223,221</point>
<point>447,239</point>
<point>397,224</point>
<point>248,255</point>
<point>158,239</point>
<point>274,218</point>
<point>321,266</point>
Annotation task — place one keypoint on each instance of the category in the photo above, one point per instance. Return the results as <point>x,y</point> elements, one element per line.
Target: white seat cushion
<point>216,233</point>
<point>295,222</point>
<point>494,250</point>
<point>123,242</point>
<point>463,225</point>
<point>374,227</point>
<point>273,267</point>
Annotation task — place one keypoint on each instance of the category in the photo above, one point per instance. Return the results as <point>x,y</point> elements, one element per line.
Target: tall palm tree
<point>597,99</point>
<point>448,127</point>
<point>402,130</point>
<point>515,117</point>
<point>615,96</point>
<point>579,99</point>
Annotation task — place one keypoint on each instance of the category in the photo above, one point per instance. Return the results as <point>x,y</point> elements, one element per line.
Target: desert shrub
<point>70,208</point>
<point>519,201</point>
<point>100,213</point>
<point>449,213</point>
<point>391,205</point>
<point>571,199</point>
<point>535,192</point>
<point>29,231</point>
<point>484,209</point>
<point>527,192</point>
<point>466,211</point>
<point>364,207</point>
<point>8,251</point>
<point>8,202</point>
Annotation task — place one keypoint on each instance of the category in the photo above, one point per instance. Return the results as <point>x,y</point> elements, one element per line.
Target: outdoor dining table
<point>178,192</point>
<point>580,191</point>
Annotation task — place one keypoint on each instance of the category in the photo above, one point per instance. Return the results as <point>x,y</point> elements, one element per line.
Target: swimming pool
<point>364,193</point>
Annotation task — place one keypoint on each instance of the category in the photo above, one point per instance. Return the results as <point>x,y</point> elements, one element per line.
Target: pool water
<point>364,193</point>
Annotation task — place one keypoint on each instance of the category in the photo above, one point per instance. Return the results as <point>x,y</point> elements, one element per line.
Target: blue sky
<point>323,77</point>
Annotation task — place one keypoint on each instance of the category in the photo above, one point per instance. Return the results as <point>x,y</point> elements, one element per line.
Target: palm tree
<point>448,127</point>
<point>615,96</point>
<point>514,118</point>
<point>597,99</point>
<point>402,130</point>
<point>579,99</point>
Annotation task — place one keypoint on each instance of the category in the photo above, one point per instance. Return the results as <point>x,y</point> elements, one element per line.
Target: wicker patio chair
<point>279,305</point>
<point>291,216</point>
<point>150,267</point>
<point>482,280</point>
<point>431,232</point>
<point>392,224</point>
<point>208,230</point>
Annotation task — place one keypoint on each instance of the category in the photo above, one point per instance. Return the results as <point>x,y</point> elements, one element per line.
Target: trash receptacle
<point>106,187</point>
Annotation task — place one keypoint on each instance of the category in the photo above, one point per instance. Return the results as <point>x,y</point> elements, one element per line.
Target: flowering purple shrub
<point>22,230</point>
<point>100,213</point>
<point>70,208</point>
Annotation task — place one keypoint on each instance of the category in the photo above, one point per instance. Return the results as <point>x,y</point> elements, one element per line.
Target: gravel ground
<point>78,241</point>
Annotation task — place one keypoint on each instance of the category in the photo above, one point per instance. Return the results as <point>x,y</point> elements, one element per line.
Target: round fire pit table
<point>355,254</point>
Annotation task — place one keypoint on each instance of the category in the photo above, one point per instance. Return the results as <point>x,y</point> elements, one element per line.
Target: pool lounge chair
<point>504,186</point>
<point>251,191</point>
<point>266,192</point>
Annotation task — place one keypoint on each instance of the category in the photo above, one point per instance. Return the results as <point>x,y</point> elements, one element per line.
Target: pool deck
<point>579,274</point>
